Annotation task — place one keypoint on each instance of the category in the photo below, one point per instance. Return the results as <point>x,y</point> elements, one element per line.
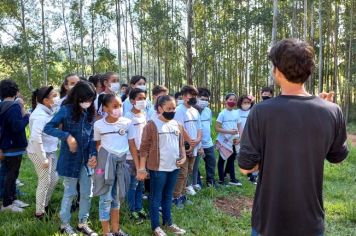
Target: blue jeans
<point>107,202</point>
<point>210,163</point>
<point>2,179</point>
<point>255,233</point>
<point>161,193</point>
<point>134,195</point>
<point>70,191</point>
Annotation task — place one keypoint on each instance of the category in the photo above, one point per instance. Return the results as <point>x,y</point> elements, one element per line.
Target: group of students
<point>116,144</point>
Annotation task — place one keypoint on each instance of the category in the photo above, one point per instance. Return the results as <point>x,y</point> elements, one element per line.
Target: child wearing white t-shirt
<point>139,119</point>
<point>111,176</point>
<point>228,127</point>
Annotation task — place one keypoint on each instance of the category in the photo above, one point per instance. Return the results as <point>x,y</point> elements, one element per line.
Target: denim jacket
<point>70,164</point>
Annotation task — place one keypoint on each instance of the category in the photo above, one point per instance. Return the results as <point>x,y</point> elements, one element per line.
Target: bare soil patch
<point>234,205</point>
<point>352,138</point>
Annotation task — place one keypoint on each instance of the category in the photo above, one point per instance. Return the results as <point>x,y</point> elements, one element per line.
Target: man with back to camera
<point>287,139</point>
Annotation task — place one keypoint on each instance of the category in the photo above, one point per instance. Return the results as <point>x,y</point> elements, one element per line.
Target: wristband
<point>142,170</point>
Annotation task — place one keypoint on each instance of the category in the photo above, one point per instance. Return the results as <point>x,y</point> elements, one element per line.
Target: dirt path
<point>234,205</point>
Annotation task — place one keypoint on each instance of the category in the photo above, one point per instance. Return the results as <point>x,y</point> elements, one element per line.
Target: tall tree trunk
<point>311,79</point>
<point>349,77</point>
<point>294,19</point>
<point>336,34</point>
<point>44,56</point>
<point>81,38</point>
<point>126,47</point>
<point>189,42</point>
<point>320,49</point>
<point>305,20</point>
<point>26,46</point>
<point>118,33</point>
<point>92,39</point>
<point>66,31</point>
<point>274,34</point>
<point>133,37</point>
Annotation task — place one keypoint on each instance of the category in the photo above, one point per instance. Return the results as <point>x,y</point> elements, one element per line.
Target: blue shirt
<point>70,164</point>
<point>206,121</point>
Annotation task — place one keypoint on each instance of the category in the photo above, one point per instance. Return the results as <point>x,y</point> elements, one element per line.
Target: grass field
<point>202,218</point>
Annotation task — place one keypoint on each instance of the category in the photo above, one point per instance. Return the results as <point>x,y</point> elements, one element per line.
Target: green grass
<point>202,218</point>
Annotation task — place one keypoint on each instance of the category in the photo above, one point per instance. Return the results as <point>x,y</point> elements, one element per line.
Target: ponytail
<point>34,99</point>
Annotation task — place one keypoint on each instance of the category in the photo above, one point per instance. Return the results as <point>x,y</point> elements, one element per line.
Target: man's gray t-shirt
<point>290,137</point>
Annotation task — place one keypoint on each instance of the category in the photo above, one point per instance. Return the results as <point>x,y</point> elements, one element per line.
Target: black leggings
<point>229,168</point>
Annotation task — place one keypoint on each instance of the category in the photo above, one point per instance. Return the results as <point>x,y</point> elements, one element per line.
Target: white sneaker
<point>19,183</point>
<point>19,203</point>
<point>159,232</point>
<point>12,208</point>
<point>197,187</point>
<point>190,190</point>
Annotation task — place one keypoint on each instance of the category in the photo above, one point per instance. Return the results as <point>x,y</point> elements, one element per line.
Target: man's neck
<point>291,89</point>
<point>187,105</point>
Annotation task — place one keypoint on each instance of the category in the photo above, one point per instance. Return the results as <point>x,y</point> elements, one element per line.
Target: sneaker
<point>185,200</point>
<point>12,208</point>
<point>197,187</point>
<point>175,229</point>
<point>40,216</point>
<point>143,214</point>
<point>178,203</point>
<point>68,230</point>
<point>19,183</point>
<point>120,233</point>
<point>159,232</point>
<point>19,203</point>
<point>252,179</point>
<point>235,182</point>
<point>86,230</point>
<point>223,183</point>
<point>190,190</point>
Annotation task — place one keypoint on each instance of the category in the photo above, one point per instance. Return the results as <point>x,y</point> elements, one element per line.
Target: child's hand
<point>92,162</point>
<point>234,131</point>
<point>201,151</point>
<point>192,143</point>
<point>45,164</point>
<point>72,143</point>
<point>141,175</point>
<point>181,162</point>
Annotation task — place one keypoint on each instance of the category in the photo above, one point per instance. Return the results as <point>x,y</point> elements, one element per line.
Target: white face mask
<point>202,104</point>
<point>115,87</point>
<point>142,87</point>
<point>245,107</point>
<point>85,105</point>
<point>55,102</point>
<point>180,102</point>
<point>70,87</point>
<point>140,105</point>
<point>116,113</point>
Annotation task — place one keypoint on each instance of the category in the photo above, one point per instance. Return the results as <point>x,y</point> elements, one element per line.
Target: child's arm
<point>52,127</point>
<point>144,151</point>
<point>134,153</point>
<point>37,142</point>
<point>219,129</point>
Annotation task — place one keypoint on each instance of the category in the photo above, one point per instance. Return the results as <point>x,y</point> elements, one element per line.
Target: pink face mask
<point>116,113</point>
<point>231,104</point>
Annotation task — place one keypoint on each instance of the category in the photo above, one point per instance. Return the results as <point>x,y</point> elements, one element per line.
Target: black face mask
<point>265,98</point>
<point>192,101</point>
<point>168,115</point>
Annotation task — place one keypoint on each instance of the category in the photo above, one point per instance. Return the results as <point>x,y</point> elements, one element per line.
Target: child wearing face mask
<point>73,125</point>
<point>188,117</point>
<point>179,98</point>
<point>244,105</point>
<point>111,177</point>
<point>137,81</point>
<point>109,85</point>
<point>42,148</point>
<point>162,153</point>
<point>138,118</point>
<point>228,126</point>
<point>157,92</point>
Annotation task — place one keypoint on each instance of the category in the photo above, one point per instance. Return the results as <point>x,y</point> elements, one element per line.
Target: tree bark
<point>320,49</point>
<point>44,56</point>
<point>66,31</point>
<point>336,33</point>
<point>274,35</point>
<point>305,21</point>
<point>82,62</point>
<point>118,33</point>
<point>189,42</point>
